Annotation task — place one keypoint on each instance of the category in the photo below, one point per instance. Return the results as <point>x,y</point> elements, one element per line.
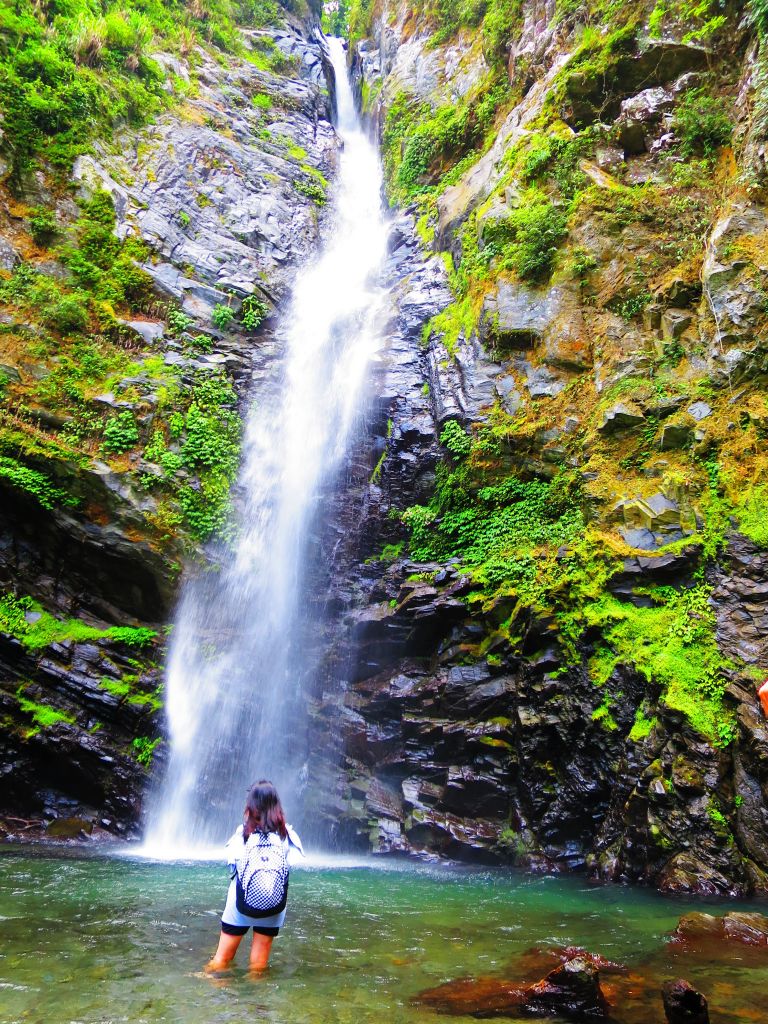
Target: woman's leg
<point>260,950</point>
<point>225,952</point>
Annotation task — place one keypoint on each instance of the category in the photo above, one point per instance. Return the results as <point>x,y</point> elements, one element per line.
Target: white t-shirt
<point>236,847</point>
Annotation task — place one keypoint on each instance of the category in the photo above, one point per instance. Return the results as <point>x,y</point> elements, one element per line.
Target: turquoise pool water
<point>108,939</point>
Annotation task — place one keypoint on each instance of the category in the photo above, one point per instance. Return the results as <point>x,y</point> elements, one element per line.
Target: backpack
<point>262,876</point>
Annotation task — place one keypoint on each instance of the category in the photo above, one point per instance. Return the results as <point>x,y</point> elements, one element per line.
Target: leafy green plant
<point>312,189</point>
<point>701,123</point>
<point>144,749</point>
<point>255,310</point>
<point>71,72</point>
<point>42,225</point>
<point>121,433</point>
<point>200,343</point>
<point>222,316</point>
<point>44,629</point>
<point>67,314</point>
<point>642,726</point>
<point>527,240</point>
<point>672,644</point>
<point>484,525</point>
<point>43,715</point>
<point>35,484</point>
<point>133,636</point>
<point>631,306</point>
<point>455,439</point>
<point>178,321</point>
<point>753,515</point>
<point>758,10</point>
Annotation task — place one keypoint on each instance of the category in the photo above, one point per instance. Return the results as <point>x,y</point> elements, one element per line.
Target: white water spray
<point>234,704</point>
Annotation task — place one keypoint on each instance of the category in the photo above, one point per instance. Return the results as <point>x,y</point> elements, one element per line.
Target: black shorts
<point>237,929</point>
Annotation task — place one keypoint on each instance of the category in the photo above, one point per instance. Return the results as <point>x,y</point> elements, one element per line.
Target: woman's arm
<point>234,847</point>
<point>295,850</point>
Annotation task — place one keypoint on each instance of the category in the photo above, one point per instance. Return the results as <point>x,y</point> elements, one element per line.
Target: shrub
<point>312,189</point>
<point>178,321</point>
<point>120,433</point>
<point>527,240</point>
<point>450,132</point>
<point>212,438</point>
<point>42,225</point>
<point>498,26</point>
<point>455,439</point>
<point>207,510</point>
<point>132,280</point>
<point>68,314</point>
<point>497,523</point>
<point>34,483</point>
<point>144,748</point>
<point>254,311</point>
<point>758,10</point>
<point>701,123</point>
<point>222,316</point>
<point>13,611</point>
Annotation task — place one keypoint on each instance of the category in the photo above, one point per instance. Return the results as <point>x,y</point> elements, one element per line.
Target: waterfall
<point>234,702</point>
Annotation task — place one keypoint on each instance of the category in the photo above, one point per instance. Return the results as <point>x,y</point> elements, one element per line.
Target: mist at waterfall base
<point>234,702</point>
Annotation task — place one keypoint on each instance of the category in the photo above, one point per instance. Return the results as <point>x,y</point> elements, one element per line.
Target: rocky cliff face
<point>558,624</point>
<point>138,294</point>
<point>544,577</point>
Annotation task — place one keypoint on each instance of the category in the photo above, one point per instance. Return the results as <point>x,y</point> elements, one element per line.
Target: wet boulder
<point>571,990</point>
<point>638,114</point>
<point>696,932</point>
<point>683,1004</point>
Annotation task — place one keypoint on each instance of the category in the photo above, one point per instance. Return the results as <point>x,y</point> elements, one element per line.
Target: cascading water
<point>235,709</point>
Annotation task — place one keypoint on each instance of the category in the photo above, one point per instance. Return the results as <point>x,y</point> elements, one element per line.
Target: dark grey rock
<point>674,436</point>
<point>674,322</point>
<point>620,417</point>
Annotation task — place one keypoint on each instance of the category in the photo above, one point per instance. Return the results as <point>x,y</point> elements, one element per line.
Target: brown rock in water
<point>536,960</point>
<point>683,1004</point>
<point>571,991</point>
<point>69,828</point>
<point>699,932</point>
<point>474,997</point>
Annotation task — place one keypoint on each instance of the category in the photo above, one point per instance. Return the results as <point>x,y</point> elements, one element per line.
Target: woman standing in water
<point>259,855</point>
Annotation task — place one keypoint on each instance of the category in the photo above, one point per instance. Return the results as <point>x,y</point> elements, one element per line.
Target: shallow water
<point>113,939</point>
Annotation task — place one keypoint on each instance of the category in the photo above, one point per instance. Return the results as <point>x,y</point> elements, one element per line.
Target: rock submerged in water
<point>571,990</point>
<point>683,1004</point>
<point>698,933</point>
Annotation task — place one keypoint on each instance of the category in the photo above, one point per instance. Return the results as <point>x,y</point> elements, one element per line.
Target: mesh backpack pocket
<point>262,877</point>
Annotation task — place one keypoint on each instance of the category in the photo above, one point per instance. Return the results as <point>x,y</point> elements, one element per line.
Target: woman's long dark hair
<point>263,811</point>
